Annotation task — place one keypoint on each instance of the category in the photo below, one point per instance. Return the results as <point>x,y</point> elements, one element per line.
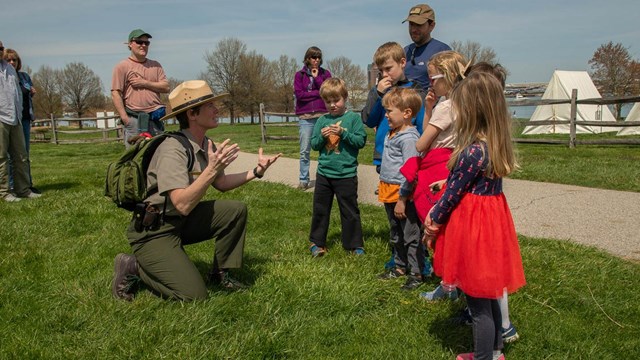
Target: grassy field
<point>606,167</point>
<point>57,257</point>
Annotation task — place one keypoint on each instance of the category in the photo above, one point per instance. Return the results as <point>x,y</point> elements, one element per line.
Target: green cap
<point>137,33</point>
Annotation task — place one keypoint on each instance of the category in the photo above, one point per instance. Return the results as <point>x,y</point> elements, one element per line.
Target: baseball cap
<point>420,13</point>
<point>137,33</point>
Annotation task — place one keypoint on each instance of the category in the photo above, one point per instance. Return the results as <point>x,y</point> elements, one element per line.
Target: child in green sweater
<point>338,136</point>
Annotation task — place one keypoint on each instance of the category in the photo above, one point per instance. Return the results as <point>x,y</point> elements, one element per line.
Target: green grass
<point>614,167</point>
<point>56,265</point>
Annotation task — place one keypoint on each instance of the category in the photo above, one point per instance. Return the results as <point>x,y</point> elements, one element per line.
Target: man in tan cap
<point>136,85</point>
<point>176,214</point>
<point>422,21</point>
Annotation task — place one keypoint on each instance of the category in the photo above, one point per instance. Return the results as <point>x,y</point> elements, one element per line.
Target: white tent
<point>559,88</point>
<point>634,115</point>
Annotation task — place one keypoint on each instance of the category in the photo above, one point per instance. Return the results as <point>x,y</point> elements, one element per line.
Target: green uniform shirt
<point>169,170</point>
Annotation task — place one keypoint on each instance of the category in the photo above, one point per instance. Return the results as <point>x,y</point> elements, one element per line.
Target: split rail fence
<point>48,130</point>
<point>571,142</point>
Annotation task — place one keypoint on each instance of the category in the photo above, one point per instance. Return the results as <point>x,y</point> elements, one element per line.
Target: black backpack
<point>126,181</point>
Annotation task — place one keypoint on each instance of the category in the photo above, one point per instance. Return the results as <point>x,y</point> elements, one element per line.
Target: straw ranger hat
<point>190,94</point>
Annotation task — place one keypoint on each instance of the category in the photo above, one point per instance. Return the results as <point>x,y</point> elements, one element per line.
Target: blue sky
<point>531,38</point>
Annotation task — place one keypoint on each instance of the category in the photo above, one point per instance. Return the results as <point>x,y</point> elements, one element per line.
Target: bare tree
<point>48,100</point>
<point>354,77</point>
<point>223,70</point>
<point>80,88</point>
<point>284,74</point>
<point>255,82</point>
<point>614,72</point>
<point>473,50</point>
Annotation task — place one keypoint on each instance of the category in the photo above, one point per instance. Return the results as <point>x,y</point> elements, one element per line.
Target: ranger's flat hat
<point>190,94</point>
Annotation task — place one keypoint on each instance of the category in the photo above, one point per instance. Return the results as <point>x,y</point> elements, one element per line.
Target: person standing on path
<point>309,105</point>
<point>422,21</point>
<point>136,85</point>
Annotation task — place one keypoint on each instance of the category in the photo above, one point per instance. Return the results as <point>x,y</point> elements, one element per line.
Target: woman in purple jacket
<point>309,105</point>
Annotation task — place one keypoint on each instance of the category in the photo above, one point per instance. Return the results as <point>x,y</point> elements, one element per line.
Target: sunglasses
<point>142,42</point>
<point>315,57</point>
<point>436,77</point>
<point>12,60</point>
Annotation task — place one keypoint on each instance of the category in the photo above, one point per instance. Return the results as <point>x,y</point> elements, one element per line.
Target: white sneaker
<point>33,195</point>
<point>11,198</point>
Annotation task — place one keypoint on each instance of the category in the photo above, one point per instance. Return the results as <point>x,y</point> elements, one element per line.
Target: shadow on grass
<point>251,270</point>
<point>57,186</point>
<point>450,333</point>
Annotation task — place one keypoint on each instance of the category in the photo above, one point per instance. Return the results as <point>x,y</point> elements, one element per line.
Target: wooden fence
<point>47,130</point>
<point>571,142</point>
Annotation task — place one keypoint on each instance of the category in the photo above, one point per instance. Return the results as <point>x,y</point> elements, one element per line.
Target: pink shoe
<point>469,356</point>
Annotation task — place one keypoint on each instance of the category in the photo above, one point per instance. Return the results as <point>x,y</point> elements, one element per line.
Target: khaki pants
<point>163,264</point>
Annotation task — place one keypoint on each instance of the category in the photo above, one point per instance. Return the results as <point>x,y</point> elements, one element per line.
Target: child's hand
<point>427,240</point>
<point>431,227</point>
<point>336,129</point>
<point>431,99</point>
<point>399,210</point>
<point>436,186</point>
<point>326,131</point>
<point>384,84</point>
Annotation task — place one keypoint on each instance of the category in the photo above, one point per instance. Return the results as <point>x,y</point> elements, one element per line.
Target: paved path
<point>607,219</point>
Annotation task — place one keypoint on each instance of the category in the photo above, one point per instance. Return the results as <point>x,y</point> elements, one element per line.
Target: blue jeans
<point>305,130</point>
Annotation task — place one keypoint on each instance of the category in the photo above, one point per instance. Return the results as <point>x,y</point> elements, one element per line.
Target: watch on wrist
<point>255,173</point>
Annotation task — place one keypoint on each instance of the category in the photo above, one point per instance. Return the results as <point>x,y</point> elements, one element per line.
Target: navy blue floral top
<point>467,177</point>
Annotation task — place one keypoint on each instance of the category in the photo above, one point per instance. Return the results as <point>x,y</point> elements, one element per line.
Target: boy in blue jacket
<point>391,61</point>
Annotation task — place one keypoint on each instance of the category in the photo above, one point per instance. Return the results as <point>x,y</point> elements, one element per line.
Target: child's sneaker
<point>393,273</point>
<point>510,334</point>
<point>439,293</point>
<point>358,251</point>
<point>464,318</point>
<point>497,355</point>
<point>413,282</point>
<point>317,251</point>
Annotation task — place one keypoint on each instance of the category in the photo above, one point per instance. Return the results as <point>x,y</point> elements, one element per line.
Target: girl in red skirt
<point>477,247</point>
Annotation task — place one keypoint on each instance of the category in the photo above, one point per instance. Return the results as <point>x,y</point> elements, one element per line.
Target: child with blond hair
<point>477,247</point>
<point>338,136</point>
<point>401,105</point>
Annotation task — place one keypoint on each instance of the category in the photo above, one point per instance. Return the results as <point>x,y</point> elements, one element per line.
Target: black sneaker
<point>225,281</point>
<point>125,277</point>
<point>391,274</point>
<point>413,282</point>
<point>463,318</point>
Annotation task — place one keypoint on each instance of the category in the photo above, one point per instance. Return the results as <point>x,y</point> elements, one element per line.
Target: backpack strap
<point>182,138</point>
<point>191,159</point>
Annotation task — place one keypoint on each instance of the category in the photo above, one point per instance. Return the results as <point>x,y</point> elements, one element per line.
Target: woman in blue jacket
<point>309,105</point>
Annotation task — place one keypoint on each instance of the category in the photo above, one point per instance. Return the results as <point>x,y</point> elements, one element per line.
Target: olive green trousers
<point>165,267</point>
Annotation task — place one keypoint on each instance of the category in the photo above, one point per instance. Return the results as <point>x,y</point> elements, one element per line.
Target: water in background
<point>522,112</point>
<point>525,112</point>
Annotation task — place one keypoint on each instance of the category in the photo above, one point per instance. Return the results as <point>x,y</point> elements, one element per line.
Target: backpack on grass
<point>126,181</point>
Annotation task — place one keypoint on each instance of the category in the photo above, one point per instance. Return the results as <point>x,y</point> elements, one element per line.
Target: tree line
<point>250,78</point>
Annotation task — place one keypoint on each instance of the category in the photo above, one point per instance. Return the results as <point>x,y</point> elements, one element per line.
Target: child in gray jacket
<point>401,105</point>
